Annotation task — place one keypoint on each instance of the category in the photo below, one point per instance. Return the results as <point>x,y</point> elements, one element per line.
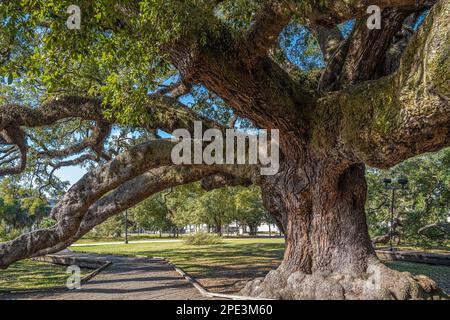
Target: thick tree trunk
<point>218,228</point>
<point>253,230</point>
<point>328,253</point>
<point>331,235</point>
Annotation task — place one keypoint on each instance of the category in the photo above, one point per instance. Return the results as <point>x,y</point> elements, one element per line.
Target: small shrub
<point>201,238</point>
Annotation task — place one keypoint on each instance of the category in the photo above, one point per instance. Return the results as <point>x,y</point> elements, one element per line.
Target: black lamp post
<point>402,182</point>
<point>126,226</point>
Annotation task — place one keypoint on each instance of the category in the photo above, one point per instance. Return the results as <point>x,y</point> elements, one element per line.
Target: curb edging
<point>204,292</point>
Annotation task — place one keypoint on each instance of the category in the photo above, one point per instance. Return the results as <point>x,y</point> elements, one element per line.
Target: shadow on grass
<point>28,274</point>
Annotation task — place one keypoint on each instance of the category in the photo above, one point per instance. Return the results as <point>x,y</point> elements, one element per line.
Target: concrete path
<point>127,278</point>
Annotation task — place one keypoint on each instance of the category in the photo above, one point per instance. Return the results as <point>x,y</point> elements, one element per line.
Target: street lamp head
<point>387,181</point>
<point>403,181</point>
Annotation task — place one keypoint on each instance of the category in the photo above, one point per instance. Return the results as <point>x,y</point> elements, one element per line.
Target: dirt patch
<point>232,279</point>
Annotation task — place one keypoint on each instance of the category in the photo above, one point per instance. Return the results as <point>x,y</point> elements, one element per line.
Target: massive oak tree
<point>380,97</point>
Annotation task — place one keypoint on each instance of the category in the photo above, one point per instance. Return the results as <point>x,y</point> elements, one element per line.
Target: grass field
<point>226,267</point>
<point>221,268</point>
<point>28,274</point>
<point>131,237</point>
<point>150,237</point>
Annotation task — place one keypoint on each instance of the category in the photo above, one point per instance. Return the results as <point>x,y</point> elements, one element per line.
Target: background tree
<point>425,202</point>
<point>21,209</point>
<point>249,208</point>
<point>376,97</point>
<point>153,214</point>
<point>111,228</point>
<point>214,208</point>
<point>181,204</point>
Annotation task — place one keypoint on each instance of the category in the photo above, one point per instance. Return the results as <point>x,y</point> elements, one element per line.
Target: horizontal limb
<point>391,119</point>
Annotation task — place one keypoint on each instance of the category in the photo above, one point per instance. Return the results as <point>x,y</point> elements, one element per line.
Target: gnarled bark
<point>328,251</point>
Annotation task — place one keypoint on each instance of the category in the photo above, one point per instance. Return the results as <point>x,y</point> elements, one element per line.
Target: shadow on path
<point>127,278</point>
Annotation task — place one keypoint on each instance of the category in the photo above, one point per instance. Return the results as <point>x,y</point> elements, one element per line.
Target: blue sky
<point>71,174</point>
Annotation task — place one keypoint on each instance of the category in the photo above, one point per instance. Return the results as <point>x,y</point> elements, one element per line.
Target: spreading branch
<point>128,195</point>
<point>397,117</point>
<point>329,40</point>
<point>90,200</point>
<point>368,54</point>
<point>266,27</point>
<point>367,48</point>
<point>96,141</point>
<point>163,112</point>
<point>71,209</point>
<point>332,12</point>
<point>14,135</point>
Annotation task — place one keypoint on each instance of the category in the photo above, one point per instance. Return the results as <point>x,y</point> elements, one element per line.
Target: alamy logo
<point>374,20</point>
<point>74,280</point>
<point>74,19</point>
<point>191,150</point>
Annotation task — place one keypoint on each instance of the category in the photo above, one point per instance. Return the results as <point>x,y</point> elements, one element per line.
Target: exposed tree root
<point>378,283</point>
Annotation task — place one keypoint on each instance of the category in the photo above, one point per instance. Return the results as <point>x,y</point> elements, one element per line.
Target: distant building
<point>233,229</point>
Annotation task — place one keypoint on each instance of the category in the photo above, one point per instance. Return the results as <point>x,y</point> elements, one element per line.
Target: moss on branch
<point>397,117</point>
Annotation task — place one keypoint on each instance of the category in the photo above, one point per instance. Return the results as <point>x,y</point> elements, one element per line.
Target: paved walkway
<point>127,278</point>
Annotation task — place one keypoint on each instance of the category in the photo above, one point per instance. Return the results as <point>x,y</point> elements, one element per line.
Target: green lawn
<point>28,274</point>
<point>202,258</point>
<point>131,237</point>
<point>226,267</point>
<point>140,237</point>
